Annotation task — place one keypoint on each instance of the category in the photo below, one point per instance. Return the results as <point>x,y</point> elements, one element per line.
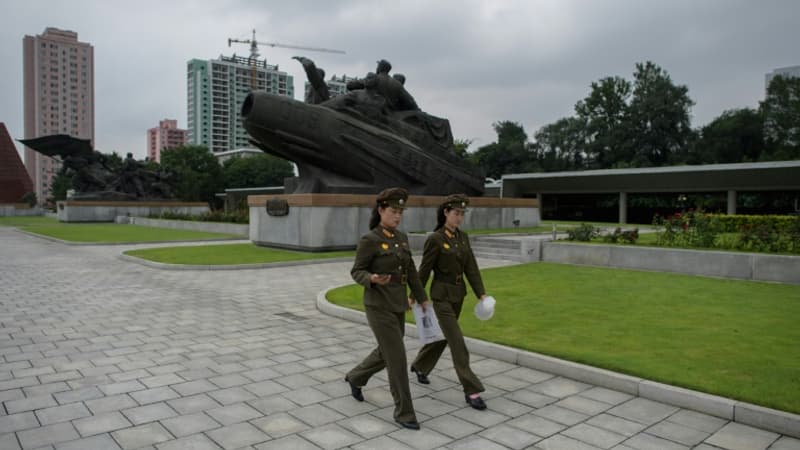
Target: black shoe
<point>476,402</point>
<point>421,377</point>
<point>355,391</point>
<point>411,424</point>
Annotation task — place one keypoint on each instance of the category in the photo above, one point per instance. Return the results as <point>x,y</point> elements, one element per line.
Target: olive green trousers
<point>448,314</point>
<point>388,328</point>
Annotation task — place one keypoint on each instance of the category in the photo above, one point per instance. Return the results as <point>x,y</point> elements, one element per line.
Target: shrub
<point>239,216</point>
<point>583,232</point>
<point>627,236</point>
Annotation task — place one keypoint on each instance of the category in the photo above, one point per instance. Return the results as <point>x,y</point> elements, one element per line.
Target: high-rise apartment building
<point>792,71</point>
<point>165,136</point>
<point>216,90</point>
<point>336,85</point>
<point>58,87</point>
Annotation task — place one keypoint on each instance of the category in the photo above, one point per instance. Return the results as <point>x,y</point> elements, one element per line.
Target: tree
<point>510,154</point>
<point>781,110</point>
<point>198,173</point>
<point>658,118</point>
<point>255,171</point>
<point>62,182</point>
<point>735,136</point>
<point>605,115</point>
<point>561,145</point>
<point>460,146</point>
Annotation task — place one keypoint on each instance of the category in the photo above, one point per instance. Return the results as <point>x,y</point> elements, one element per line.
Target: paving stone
<point>678,433</point>
<point>616,424</point>
<point>140,436</point>
<point>239,412</point>
<point>316,415</point>
<point>644,441</point>
<point>594,436</point>
<point>368,426</point>
<point>189,424</point>
<point>155,395</point>
<point>786,443</point>
<point>113,403</point>
<point>30,404</point>
<point>510,437</point>
<point>78,395</point>
<point>330,436</point>
<point>382,442</point>
<point>583,405</point>
<point>236,436</point>
<point>735,436</point>
<point>422,439</point>
<point>271,405</point>
<point>559,387</point>
<point>561,442</point>
<point>195,403</point>
<point>122,387</point>
<point>47,435</point>
<point>606,395</point>
<point>349,407</point>
<point>231,395</point>
<point>194,387</point>
<point>279,425</point>
<point>560,415</point>
<point>99,442</point>
<point>101,423</point>
<point>149,413</point>
<point>509,407</point>
<point>536,425</point>
<point>63,413</point>
<point>195,442</point>
<point>643,411</point>
<point>452,426</point>
<point>293,442</point>
<point>530,398</point>
<point>698,421</point>
<point>17,422</point>
<point>9,441</point>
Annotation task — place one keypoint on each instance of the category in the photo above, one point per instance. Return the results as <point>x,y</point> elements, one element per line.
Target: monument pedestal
<point>324,222</point>
<point>107,211</point>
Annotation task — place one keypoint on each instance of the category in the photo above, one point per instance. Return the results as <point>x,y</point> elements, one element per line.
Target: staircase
<point>493,247</point>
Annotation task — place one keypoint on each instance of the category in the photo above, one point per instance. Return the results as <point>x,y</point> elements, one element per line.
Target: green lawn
<point>111,233</point>
<point>737,339</point>
<point>24,221</point>
<point>228,254</point>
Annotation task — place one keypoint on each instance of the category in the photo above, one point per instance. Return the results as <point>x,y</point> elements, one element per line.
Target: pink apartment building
<point>166,135</point>
<point>58,89</point>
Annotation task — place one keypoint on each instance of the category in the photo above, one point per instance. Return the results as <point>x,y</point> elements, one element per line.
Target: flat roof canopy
<point>764,176</point>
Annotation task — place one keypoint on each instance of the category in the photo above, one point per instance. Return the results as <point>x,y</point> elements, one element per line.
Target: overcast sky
<point>473,62</point>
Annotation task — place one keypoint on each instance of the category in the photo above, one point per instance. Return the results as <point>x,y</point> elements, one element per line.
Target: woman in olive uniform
<point>384,267</point>
<point>448,254</point>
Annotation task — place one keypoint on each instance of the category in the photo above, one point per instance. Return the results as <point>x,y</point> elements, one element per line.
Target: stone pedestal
<point>323,222</point>
<point>107,211</point>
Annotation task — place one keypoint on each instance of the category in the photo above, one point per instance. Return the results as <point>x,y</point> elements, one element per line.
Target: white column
<point>731,202</point>
<point>623,207</point>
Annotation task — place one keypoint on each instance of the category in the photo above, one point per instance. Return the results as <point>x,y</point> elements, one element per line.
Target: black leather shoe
<point>421,377</point>
<point>355,391</point>
<point>411,424</point>
<point>476,402</point>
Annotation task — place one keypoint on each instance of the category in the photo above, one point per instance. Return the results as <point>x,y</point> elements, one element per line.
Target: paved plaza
<point>100,353</point>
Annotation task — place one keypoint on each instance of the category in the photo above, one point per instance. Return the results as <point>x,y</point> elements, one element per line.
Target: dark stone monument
<point>94,179</point>
<point>373,137</point>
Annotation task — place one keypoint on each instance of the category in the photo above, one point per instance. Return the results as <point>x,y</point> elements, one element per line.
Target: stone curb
<point>164,266</point>
<point>61,241</point>
<point>728,409</point>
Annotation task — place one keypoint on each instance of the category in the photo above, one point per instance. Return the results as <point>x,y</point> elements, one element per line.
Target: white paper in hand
<point>427,325</point>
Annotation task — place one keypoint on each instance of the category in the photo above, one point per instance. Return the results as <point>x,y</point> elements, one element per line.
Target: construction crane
<point>254,52</point>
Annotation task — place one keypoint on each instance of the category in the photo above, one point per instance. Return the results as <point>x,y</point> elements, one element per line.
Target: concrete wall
<point>212,227</point>
<point>320,228</point>
<point>86,211</point>
<point>14,210</point>
<point>747,266</point>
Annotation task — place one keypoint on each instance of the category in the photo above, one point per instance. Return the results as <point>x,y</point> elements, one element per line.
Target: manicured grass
<point>25,221</point>
<point>110,233</point>
<point>737,339</point>
<point>228,254</point>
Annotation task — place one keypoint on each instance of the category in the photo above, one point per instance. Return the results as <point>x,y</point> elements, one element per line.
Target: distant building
<point>216,90</point>
<point>165,136</point>
<point>793,71</point>
<point>58,87</point>
<point>336,85</point>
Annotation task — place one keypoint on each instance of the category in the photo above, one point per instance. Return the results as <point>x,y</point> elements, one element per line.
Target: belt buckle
<point>403,278</point>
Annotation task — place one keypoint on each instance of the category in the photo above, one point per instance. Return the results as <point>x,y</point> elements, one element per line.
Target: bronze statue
<point>373,137</point>
<point>94,179</point>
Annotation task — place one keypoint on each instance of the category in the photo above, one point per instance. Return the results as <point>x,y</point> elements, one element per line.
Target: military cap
<point>456,201</point>
<point>393,197</point>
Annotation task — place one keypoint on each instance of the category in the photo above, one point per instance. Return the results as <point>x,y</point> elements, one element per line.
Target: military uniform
<point>449,255</point>
<point>386,252</point>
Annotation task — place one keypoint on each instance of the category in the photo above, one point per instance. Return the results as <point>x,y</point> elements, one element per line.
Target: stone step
<point>503,256</point>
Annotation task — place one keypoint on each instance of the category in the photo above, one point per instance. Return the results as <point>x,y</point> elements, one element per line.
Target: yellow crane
<point>254,52</point>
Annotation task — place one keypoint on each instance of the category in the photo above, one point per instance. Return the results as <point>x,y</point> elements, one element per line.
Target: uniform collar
<point>448,233</point>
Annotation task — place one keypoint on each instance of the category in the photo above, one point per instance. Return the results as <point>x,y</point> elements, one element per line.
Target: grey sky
<point>474,62</point>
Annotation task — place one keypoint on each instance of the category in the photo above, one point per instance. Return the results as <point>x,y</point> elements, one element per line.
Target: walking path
<point>99,353</point>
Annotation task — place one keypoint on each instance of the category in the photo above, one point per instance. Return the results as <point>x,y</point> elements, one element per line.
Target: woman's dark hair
<point>440,218</point>
<point>375,218</point>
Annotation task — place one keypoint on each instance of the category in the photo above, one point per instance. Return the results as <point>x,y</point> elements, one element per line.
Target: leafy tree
<point>781,110</point>
<point>62,182</point>
<point>255,171</point>
<point>735,136</point>
<point>561,145</point>
<point>658,118</point>
<point>510,154</point>
<point>199,175</point>
<point>461,146</point>
<point>605,115</point>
